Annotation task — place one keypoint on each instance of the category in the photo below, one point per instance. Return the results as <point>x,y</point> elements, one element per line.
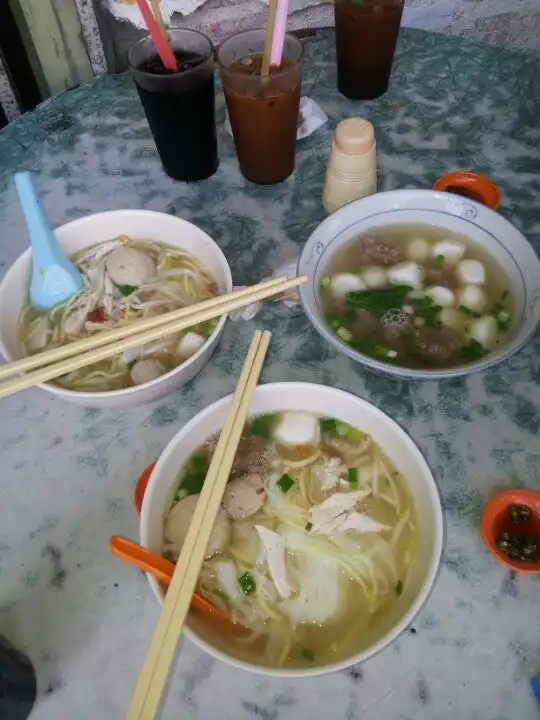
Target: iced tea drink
<point>263,111</point>
<point>366,35</point>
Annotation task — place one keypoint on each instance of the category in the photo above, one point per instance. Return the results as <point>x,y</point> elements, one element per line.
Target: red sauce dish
<point>496,519</point>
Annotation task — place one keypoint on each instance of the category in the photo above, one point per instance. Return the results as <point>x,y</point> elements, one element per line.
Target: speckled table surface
<point>68,473</point>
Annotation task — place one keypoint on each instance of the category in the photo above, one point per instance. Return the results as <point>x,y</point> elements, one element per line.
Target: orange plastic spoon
<point>158,566</point>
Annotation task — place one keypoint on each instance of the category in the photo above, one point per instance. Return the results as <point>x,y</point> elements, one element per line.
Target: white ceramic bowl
<point>348,408</point>
<point>79,234</point>
<point>483,226</point>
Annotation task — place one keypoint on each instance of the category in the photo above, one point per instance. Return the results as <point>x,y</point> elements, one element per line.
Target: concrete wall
<point>511,23</point>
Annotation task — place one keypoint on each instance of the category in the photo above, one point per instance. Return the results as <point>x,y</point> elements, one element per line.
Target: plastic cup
<point>366,36</point>
<point>179,106</point>
<point>263,111</point>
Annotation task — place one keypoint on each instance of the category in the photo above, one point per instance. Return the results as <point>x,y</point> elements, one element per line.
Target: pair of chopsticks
<point>153,676</point>
<point>53,363</point>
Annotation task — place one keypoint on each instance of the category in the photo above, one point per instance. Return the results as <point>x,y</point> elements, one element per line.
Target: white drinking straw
<point>278,40</point>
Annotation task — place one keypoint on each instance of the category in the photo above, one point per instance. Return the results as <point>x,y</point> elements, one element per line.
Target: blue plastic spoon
<point>54,278</point>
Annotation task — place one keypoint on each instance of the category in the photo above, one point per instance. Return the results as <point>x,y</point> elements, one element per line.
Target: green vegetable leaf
<point>263,425</point>
<point>378,301</point>
<point>126,290</point>
<point>308,654</point>
<point>328,426</point>
<point>473,351</point>
<point>195,474</point>
<point>247,583</point>
<point>285,483</point>
<point>352,474</point>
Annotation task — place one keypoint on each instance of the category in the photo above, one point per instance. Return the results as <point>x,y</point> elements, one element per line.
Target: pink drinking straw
<point>161,43</point>
<point>278,39</point>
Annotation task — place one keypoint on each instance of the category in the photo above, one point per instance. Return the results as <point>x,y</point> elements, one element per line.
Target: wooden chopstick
<point>186,317</point>
<point>153,676</point>
<point>121,332</point>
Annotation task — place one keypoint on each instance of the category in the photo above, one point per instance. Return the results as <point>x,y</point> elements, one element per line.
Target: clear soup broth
<point>312,547</point>
<point>417,296</point>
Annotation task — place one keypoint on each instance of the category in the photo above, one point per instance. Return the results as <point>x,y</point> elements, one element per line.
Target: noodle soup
<point>417,296</point>
<point>125,280</point>
<point>314,543</point>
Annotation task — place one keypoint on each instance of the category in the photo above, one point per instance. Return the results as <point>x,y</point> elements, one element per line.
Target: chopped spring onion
<point>354,434</point>
<point>352,474</point>
<point>285,483</point>
<point>505,294</point>
<point>325,282</point>
<point>372,349</point>
<point>131,363</point>
<point>247,583</point>
<point>519,513</point>
<point>308,527</point>
<point>334,321</point>
<point>181,494</point>
<point>440,259</point>
<point>503,320</point>
<point>392,354</point>
<point>308,654</point>
<point>126,290</point>
<point>467,311</point>
<point>344,334</point>
<point>399,588</point>
<point>218,592</point>
<point>328,426</point>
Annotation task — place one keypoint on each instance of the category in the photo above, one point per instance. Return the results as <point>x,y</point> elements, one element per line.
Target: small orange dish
<point>474,186</point>
<point>496,520</point>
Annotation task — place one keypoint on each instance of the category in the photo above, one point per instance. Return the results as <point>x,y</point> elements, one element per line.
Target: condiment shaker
<point>352,166</point>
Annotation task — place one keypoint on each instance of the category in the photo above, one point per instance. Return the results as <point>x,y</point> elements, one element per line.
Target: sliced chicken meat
<point>274,546</point>
<point>327,517</point>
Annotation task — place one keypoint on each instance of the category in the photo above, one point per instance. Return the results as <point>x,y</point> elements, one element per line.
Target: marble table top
<point>68,473</point>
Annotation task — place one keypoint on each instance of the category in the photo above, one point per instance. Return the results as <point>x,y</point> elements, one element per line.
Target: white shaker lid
<point>354,136</point>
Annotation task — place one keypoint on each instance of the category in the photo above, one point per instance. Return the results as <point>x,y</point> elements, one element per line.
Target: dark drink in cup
<point>18,687</point>
<point>366,35</point>
<point>263,111</point>
<point>179,106</point>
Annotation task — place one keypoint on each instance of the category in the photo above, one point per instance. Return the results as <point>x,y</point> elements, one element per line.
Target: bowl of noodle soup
<point>135,264</point>
<point>309,588</point>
